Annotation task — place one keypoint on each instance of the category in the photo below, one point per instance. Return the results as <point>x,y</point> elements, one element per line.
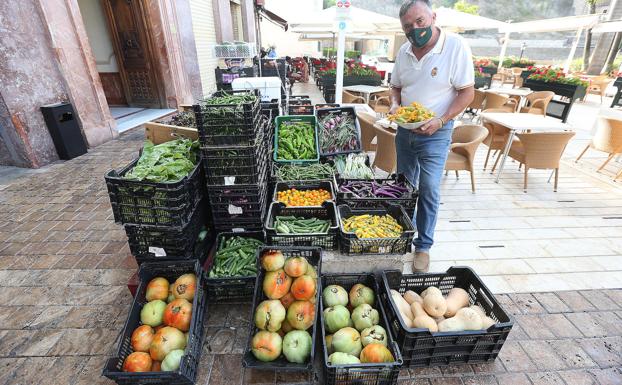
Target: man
<point>435,69</point>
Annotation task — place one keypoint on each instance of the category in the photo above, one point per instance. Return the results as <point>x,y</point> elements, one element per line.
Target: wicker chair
<point>349,98</point>
<point>598,86</point>
<point>538,102</point>
<point>497,101</point>
<point>381,102</point>
<point>540,150</point>
<point>465,140</point>
<point>608,138</point>
<point>497,138</point>
<point>368,132</point>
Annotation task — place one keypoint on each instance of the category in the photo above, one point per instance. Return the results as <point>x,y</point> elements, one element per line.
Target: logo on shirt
<point>434,72</point>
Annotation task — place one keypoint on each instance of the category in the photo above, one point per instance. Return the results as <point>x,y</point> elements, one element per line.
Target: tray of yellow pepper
<point>411,117</point>
<point>386,230</point>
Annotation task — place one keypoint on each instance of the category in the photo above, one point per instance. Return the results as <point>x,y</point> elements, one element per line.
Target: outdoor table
<point>386,124</point>
<point>367,91</point>
<point>521,92</point>
<point>358,107</point>
<point>522,122</point>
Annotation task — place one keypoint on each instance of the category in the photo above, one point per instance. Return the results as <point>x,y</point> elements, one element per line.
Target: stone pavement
<point>64,265</point>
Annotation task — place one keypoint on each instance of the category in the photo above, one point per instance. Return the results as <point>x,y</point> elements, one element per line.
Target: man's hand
<point>394,108</point>
<point>429,128</point>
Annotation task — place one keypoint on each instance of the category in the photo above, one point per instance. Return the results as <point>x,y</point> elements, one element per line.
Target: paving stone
<point>220,340</point>
<point>40,343</point>
<point>615,295</point>
<point>576,301</point>
<point>292,378</point>
<point>577,377</point>
<point>8,367</point>
<point>31,371</point>
<point>545,378</point>
<point>508,304</point>
<point>560,326</point>
<point>542,355</point>
<point>434,371</point>
<point>609,321</point>
<point>606,352</point>
<point>417,381</point>
<point>527,303</point>
<point>50,317</point>
<point>572,354</point>
<point>513,379</point>
<point>480,380</point>
<point>517,333</point>
<point>551,302</point>
<point>259,377</point>
<point>45,261</point>
<point>600,300</point>
<point>10,340</point>
<point>588,325</point>
<point>204,369</point>
<point>514,358</point>
<point>22,317</point>
<point>534,326</point>
<point>446,381</point>
<point>609,376</point>
<point>488,367</point>
<point>226,370</point>
<point>90,374</point>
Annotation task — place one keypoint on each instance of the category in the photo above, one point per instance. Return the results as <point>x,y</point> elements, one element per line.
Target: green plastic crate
<point>295,118</point>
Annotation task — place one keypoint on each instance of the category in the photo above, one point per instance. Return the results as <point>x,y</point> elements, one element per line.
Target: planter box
<point>483,82</point>
<point>489,70</point>
<point>558,108</point>
<point>616,98</point>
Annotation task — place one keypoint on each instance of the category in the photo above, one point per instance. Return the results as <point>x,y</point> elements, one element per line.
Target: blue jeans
<point>422,160</point>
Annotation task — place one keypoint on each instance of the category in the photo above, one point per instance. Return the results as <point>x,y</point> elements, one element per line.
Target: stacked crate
<point>235,146</point>
<point>161,220</point>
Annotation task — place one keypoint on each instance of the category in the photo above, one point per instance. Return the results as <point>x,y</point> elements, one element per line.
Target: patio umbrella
<point>453,20</point>
<point>361,21</point>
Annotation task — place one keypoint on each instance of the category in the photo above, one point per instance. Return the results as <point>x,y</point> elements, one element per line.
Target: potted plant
<point>554,79</point>
<point>481,80</point>
<point>485,66</point>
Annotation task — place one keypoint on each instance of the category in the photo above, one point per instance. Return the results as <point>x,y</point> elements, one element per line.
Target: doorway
<point>121,45</point>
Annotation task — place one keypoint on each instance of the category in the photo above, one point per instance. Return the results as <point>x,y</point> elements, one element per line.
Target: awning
<point>612,26</point>
<point>273,18</point>
<point>571,23</point>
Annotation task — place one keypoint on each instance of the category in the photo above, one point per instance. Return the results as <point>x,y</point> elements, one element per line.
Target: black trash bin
<point>63,126</point>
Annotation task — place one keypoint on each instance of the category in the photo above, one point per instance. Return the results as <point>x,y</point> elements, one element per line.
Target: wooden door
<point>131,41</point>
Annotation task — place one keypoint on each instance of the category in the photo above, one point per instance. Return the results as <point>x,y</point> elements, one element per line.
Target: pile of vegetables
<point>374,189</point>
<point>296,141</point>
<point>287,314</point>
<point>299,198</point>
<point>223,114</point>
<point>414,113</point>
<point>182,119</point>
<point>298,225</point>
<point>338,132</point>
<point>166,162</point>
<point>313,171</point>
<point>353,166</point>
<point>235,257</point>
<point>158,344</point>
<point>357,337</point>
<point>373,226</point>
<point>431,310</point>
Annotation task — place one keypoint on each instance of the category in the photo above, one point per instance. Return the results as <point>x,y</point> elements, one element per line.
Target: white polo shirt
<point>434,80</point>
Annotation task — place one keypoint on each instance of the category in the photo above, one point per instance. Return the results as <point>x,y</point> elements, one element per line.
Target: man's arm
<point>463,98</point>
<point>396,99</point>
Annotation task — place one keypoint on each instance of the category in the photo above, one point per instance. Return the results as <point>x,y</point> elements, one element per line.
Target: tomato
<point>137,362</point>
<point>157,288</point>
<point>178,314</point>
<point>142,337</point>
<point>165,341</point>
<point>185,286</point>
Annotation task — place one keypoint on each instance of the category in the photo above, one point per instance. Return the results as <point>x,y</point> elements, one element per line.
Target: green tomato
<point>172,360</point>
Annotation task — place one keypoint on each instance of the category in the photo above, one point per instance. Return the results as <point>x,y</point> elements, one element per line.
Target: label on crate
<point>157,251</point>
<point>237,230</point>
<point>384,249</point>
<point>235,210</point>
<point>229,180</point>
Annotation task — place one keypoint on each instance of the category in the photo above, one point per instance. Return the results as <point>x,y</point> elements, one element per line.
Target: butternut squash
<point>487,322</point>
<point>410,297</point>
<point>465,319</point>
<point>421,318</point>
<point>439,319</point>
<point>479,310</point>
<point>457,298</point>
<point>434,303</point>
<point>403,308</point>
<point>431,289</point>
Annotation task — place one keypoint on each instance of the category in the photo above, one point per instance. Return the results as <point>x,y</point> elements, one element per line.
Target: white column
<point>504,48</point>
<point>575,43</point>
<point>341,45</point>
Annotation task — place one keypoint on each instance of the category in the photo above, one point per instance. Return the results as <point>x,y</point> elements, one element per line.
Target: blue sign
<point>342,25</point>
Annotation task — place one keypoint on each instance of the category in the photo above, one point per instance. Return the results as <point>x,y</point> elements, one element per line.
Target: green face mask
<point>419,37</point>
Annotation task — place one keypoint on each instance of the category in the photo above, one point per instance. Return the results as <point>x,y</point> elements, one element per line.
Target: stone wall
<point>45,58</point>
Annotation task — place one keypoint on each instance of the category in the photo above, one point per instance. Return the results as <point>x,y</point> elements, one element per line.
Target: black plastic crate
<point>299,97</point>
<point>152,203</point>
<point>339,111</point>
<point>270,109</point>
<point>153,243</point>
<point>327,176</point>
<point>236,165</point>
<point>233,289</point>
<point>187,372</point>
<point>238,207</point>
<point>304,185</point>
<point>228,124</point>
<point>408,201</point>
<point>313,256</point>
<point>360,374</point>
<point>326,241</point>
<point>351,244</point>
<point>422,348</point>
<point>320,106</point>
